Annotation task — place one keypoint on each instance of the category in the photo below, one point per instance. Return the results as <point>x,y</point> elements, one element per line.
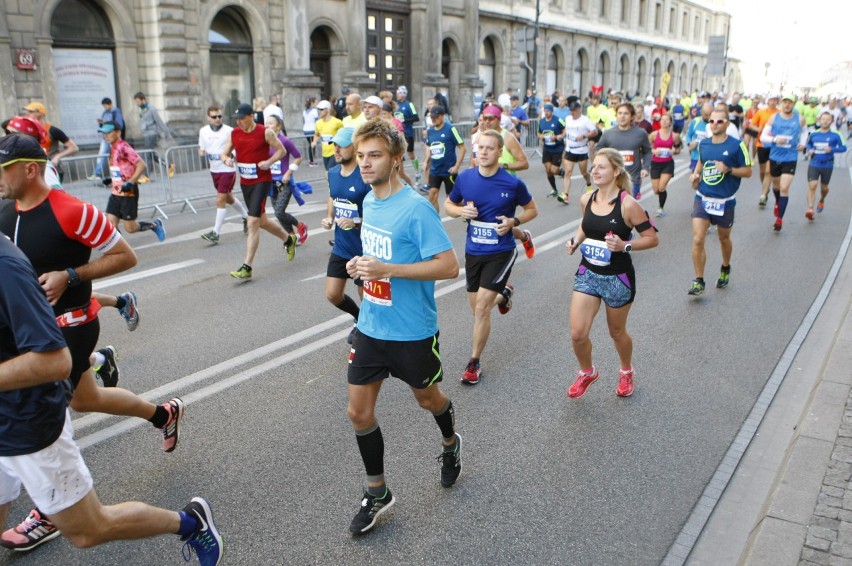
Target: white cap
<point>374,100</point>
<point>773,95</point>
<point>324,104</point>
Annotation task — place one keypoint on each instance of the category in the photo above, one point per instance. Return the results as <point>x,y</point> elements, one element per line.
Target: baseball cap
<point>492,110</point>
<point>791,97</point>
<point>37,107</point>
<point>575,106</point>
<point>773,95</point>
<point>514,97</point>
<point>108,127</point>
<point>243,110</point>
<point>438,110</point>
<point>27,126</point>
<point>402,90</point>
<point>20,147</point>
<point>548,107</point>
<point>343,137</point>
<point>323,105</point>
<point>374,100</point>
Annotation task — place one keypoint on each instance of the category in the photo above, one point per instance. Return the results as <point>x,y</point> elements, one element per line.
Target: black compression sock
<point>446,420</point>
<point>144,226</point>
<point>160,418</point>
<point>371,444</point>
<point>552,180</point>
<point>348,305</point>
<point>663,196</point>
<point>120,302</point>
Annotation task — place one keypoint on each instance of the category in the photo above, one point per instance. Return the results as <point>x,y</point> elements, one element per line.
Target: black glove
<point>128,187</point>
<point>107,182</point>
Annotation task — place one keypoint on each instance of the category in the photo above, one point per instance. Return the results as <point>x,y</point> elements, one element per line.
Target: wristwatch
<point>628,248</point>
<point>73,278</point>
<point>517,221</point>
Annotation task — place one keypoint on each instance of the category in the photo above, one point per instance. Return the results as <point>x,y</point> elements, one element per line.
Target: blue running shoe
<point>130,311</point>
<point>206,542</point>
<point>159,229</point>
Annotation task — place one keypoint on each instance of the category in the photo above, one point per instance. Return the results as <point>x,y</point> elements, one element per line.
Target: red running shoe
<point>504,308</point>
<point>777,225</point>
<point>33,531</point>
<point>529,247</point>
<point>302,229</point>
<point>625,382</point>
<point>472,373</point>
<point>810,214</point>
<point>583,381</point>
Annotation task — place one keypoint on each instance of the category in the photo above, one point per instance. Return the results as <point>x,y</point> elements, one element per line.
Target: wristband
<point>73,278</point>
<point>517,221</point>
<point>293,167</point>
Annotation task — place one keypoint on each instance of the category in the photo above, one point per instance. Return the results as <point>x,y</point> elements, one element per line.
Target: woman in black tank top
<point>606,275</point>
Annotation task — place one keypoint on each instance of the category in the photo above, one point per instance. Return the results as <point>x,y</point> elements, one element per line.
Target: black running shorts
<point>81,341</point>
<point>337,269</point>
<point>489,271</point>
<point>417,363</point>
<point>255,197</point>
<point>126,208</point>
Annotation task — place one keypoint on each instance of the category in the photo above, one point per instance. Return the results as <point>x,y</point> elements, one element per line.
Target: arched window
<point>321,59</point>
<point>603,71</point>
<point>487,65</point>
<point>231,63</point>
<point>552,71</point>
<point>83,67</point>
<point>623,74</point>
<point>581,68</point>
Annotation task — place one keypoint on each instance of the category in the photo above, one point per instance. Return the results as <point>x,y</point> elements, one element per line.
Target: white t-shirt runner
<point>575,128</point>
<point>213,143</point>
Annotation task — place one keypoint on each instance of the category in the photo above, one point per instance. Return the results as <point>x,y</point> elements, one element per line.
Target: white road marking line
<point>112,281</point>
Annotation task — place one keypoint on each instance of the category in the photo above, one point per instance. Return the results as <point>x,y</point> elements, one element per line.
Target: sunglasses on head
<point>214,115</point>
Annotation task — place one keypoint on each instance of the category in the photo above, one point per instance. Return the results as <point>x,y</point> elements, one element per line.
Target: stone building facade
<point>187,54</point>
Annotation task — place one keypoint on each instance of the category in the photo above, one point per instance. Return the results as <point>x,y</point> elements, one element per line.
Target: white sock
<point>99,361</point>
<point>241,208</point>
<point>220,217</point>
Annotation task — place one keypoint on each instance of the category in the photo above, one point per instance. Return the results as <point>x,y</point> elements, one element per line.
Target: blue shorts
<point>724,221</point>
<point>615,290</point>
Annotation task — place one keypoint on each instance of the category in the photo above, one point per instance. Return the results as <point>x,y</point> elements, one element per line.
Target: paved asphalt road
<point>546,480</point>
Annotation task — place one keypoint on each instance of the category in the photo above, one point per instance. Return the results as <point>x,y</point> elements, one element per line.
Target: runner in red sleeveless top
<point>665,145</point>
<point>251,142</point>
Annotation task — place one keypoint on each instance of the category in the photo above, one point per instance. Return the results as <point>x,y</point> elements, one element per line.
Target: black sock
<point>446,420</point>
<point>160,418</point>
<point>371,444</point>
<point>662,196</point>
<point>552,180</point>
<point>348,305</point>
<point>120,302</point>
<point>143,226</point>
<point>700,279</point>
<point>726,269</point>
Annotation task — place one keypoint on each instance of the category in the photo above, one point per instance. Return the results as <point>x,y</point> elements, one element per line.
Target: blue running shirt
<point>347,196</point>
<point>403,228</point>
<point>494,196</point>
<point>733,153</point>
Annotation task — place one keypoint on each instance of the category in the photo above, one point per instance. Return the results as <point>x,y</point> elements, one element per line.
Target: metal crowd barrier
<point>191,179</point>
<point>78,173</point>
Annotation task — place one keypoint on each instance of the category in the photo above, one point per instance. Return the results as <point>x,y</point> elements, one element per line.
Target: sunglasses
<point>716,121</point>
<point>214,116</point>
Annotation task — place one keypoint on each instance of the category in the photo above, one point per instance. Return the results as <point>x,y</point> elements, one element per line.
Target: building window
<point>604,11</point>
<point>658,16</point>
<point>231,62</point>
<point>83,67</point>
<point>643,13</point>
<point>625,11</point>
<point>487,64</point>
<point>581,6</point>
<point>706,29</point>
<point>672,18</point>
<point>388,38</point>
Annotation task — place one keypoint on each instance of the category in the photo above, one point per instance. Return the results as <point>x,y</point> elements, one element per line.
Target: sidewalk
<point>789,502</point>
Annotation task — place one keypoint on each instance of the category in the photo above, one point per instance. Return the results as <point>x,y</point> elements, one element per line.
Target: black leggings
<point>282,200</point>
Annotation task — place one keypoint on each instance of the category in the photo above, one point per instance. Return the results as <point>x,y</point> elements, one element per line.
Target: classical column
<point>356,77</point>
<point>465,106</point>
<point>426,45</point>
<point>299,82</point>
